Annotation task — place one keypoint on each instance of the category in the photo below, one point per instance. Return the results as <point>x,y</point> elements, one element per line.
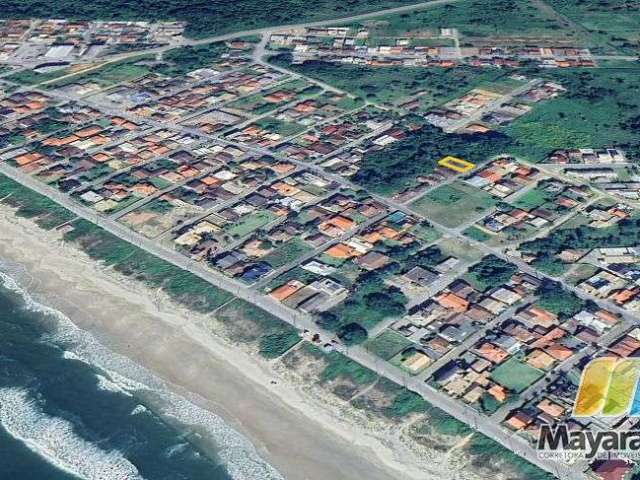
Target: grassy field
<point>29,204</point>
<point>614,24</point>
<point>476,234</point>
<point>515,375</point>
<point>532,199</point>
<point>247,323</point>
<point>599,109</point>
<point>286,253</point>
<point>108,74</point>
<point>31,77</point>
<point>388,344</point>
<point>132,261</point>
<point>186,59</point>
<point>249,223</point>
<point>453,204</point>
<point>285,129</point>
<point>475,18</point>
<point>392,85</point>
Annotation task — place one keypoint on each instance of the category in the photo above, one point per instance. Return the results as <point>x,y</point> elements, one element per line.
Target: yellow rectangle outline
<point>456,164</point>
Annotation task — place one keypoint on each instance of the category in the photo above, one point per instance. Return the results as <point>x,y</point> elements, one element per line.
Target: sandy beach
<point>305,439</point>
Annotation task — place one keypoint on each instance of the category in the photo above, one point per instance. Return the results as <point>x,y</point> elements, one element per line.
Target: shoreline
<point>298,437</point>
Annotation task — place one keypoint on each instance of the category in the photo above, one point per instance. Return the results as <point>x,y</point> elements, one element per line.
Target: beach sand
<point>297,436</point>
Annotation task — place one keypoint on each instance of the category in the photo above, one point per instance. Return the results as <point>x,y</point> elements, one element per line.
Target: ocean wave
<point>109,385</point>
<point>54,439</point>
<point>138,410</point>
<point>237,453</point>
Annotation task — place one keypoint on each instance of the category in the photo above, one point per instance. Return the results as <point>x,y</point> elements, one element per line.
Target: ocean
<point>72,409</point>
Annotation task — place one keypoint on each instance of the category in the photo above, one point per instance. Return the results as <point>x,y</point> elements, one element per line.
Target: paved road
<point>304,322</point>
<point>491,106</point>
<point>458,410</point>
<point>472,339</point>
<point>268,30</point>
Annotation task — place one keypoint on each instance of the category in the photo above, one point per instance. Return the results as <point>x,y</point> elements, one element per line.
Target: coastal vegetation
<point>486,451</point>
<point>134,262</point>
<point>249,324</point>
<point>29,204</point>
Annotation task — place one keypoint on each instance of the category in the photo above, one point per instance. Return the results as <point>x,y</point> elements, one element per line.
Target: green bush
<point>276,344</point>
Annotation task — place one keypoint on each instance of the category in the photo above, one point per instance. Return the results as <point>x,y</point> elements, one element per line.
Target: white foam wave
<point>108,385</point>
<point>54,439</point>
<point>239,456</point>
<point>237,453</point>
<point>138,410</point>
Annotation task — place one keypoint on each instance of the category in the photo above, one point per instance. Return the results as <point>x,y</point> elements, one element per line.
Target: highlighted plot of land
<point>456,164</point>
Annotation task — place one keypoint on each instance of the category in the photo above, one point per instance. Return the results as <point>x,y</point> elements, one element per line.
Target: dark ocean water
<point>71,409</point>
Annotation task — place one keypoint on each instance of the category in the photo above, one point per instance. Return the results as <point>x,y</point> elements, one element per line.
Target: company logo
<point>608,388</point>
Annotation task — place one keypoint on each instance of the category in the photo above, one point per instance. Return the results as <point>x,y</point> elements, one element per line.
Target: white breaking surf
<point>54,439</point>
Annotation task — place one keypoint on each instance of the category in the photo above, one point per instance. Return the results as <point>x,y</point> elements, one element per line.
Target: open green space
<point>282,128</point>
<point>388,344</point>
<point>192,57</point>
<point>490,272</point>
<point>613,24</point>
<point>286,253</point>
<point>393,85</point>
<point>477,234</point>
<point>29,204</point>
<point>248,224</point>
<point>31,77</point>
<point>534,198</point>
<point>474,18</point>
<point>515,375</point>
<point>203,19</point>
<point>109,74</point>
<point>599,109</point>
<point>399,166</point>
<point>453,204</point>
<point>250,324</point>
